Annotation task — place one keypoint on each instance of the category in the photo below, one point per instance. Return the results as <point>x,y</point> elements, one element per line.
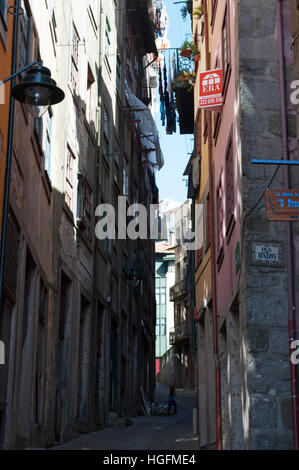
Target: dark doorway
<point>61,359</point>
<point>113,366</point>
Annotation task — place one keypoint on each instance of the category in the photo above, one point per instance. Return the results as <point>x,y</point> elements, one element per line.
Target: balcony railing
<point>172,336</point>
<point>179,333</point>
<point>177,290</point>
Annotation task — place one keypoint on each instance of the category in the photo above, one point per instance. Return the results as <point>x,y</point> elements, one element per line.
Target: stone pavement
<point>172,432</point>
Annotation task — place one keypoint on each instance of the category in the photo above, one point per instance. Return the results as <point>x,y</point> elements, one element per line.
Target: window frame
<point>220,219</point>
<point>69,178</point>
<point>106,134</point>
<point>229,188</point>
<point>227,41</point>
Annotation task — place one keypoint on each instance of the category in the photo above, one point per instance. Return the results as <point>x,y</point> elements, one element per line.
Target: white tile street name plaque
<point>267,253</point>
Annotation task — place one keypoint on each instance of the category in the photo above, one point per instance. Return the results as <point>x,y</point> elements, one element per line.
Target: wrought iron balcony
<point>172,336</point>
<point>177,290</point>
<point>179,333</point>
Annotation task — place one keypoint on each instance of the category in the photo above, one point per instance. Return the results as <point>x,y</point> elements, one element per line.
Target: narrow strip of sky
<point>175,147</point>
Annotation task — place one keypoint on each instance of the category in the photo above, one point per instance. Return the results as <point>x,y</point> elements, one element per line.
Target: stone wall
<point>265,380</point>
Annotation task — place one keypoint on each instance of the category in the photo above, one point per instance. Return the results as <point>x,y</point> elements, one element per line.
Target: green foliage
<point>198,12</point>
<point>190,45</point>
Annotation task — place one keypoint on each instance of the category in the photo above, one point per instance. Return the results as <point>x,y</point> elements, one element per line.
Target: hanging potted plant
<point>198,12</point>
<point>189,49</point>
<point>186,50</point>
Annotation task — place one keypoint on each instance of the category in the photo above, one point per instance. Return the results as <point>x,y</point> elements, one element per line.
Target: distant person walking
<point>171,400</point>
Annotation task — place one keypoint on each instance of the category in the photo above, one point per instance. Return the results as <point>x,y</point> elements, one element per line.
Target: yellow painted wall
<point>203,271</point>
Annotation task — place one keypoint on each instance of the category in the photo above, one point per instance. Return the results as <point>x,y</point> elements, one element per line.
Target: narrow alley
<point>149,226</point>
<point>173,432</point>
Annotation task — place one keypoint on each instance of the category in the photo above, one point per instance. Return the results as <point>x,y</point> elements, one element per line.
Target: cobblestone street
<point>147,432</point>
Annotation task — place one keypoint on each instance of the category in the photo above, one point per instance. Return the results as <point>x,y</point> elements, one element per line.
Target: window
<point>84,207</point>
<point>161,291</point>
<point>48,141</point>
<point>91,101</point>
<point>107,38</point>
<point>75,59</point>
<point>75,46</point>
<point>43,303</point>
<point>126,178</point>
<point>54,22</point>
<point>214,9</point>
<point>205,124</point>
<point>230,197</point>
<point>171,266</point>
<point>38,131</point>
<point>198,133</point>
<point>4,4</point>
<point>3,10</point>
<point>93,14</point>
<point>226,50</point>
<point>106,133</point>
<point>162,295</point>
<point>69,179</point>
<point>161,326</point>
<point>65,292</point>
<point>41,354</point>
<point>118,74</point>
<point>208,223</point>
<point>117,161</point>
<point>220,217</point>
<point>24,36</point>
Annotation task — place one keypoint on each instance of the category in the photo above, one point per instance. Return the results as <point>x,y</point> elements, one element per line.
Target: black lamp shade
<point>38,88</point>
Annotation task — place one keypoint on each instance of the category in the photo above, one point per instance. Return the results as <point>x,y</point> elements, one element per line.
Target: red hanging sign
<point>210,89</point>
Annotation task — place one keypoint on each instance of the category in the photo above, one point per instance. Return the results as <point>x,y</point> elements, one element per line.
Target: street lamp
<point>37,88</point>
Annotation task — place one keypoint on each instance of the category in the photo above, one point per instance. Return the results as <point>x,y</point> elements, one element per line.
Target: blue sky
<point>175,147</point>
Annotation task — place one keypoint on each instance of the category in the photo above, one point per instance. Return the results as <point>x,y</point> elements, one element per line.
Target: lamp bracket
<point>21,71</point>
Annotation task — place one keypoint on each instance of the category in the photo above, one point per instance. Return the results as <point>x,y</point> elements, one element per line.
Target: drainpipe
<point>8,154</point>
<point>213,263</point>
<point>289,247</point>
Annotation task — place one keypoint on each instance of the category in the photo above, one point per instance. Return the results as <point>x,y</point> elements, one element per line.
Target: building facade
<point>165,279</point>
<point>243,353</point>
<point>176,364</point>
<point>6,38</point>
<point>6,30</point>
<point>79,312</point>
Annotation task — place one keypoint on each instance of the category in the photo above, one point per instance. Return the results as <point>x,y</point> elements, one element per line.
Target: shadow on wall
<point>166,373</point>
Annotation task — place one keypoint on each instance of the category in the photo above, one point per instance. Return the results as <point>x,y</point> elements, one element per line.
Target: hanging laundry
<point>167,103</point>
<point>162,100</point>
